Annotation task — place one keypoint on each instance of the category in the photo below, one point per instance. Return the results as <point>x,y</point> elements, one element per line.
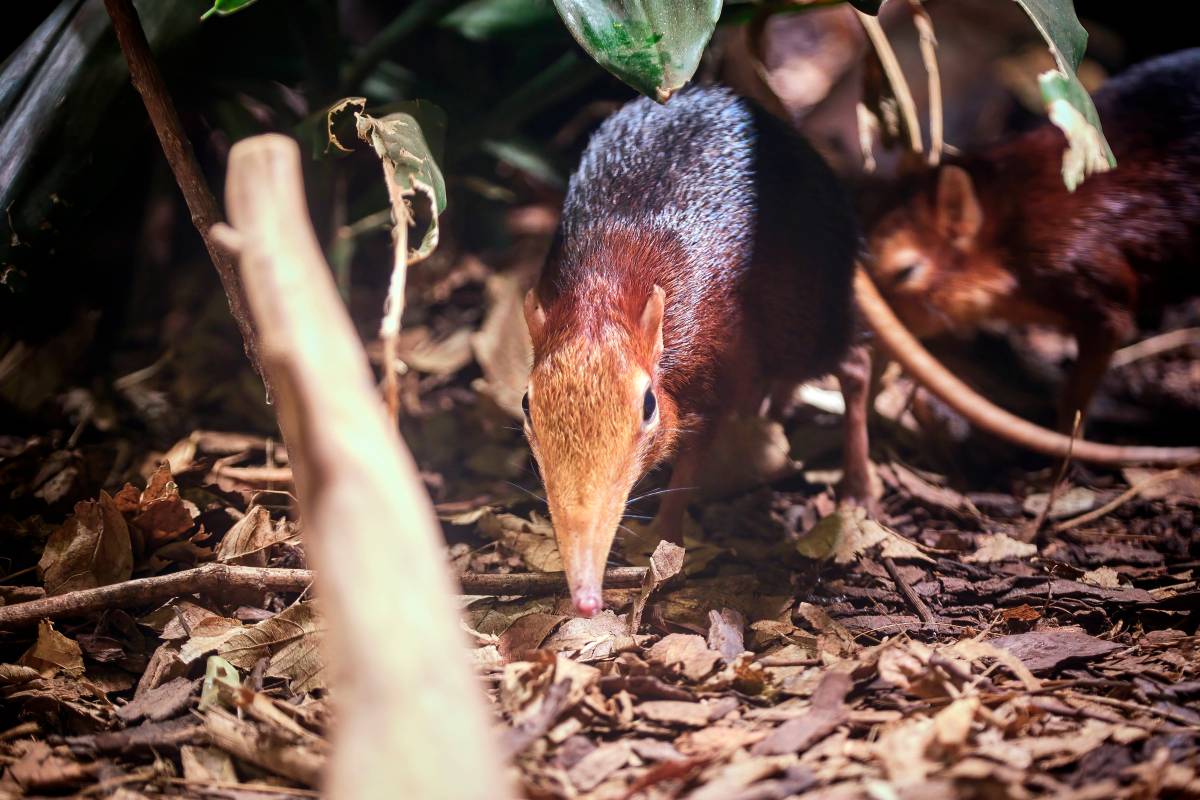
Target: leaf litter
<point>778,654</point>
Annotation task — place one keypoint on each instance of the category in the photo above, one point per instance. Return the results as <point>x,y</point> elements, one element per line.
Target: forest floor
<point>998,628</point>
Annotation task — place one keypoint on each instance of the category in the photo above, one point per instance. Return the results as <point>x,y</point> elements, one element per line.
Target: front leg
<point>1096,346</point>
<point>854,376</point>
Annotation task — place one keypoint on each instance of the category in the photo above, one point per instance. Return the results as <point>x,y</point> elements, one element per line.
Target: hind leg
<point>854,375</point>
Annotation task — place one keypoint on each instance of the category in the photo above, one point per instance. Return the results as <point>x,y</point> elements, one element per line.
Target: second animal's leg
<point>854,375</point>
<point>1096,346</point>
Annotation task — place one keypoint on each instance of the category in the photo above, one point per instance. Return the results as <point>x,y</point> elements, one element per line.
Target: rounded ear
<point>959,216</point>
<point>651,323</point>
<point>535,315</point>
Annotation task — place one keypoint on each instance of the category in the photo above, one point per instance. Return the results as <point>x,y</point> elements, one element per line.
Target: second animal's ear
<point>652,321</point>
<point>535,315</point>
<point>959,216</point>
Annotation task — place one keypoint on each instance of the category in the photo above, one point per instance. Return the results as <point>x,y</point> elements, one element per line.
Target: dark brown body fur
<point>1011,242</point>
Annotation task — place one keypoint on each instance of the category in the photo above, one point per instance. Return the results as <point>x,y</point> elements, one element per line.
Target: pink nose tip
<point>587,602</point>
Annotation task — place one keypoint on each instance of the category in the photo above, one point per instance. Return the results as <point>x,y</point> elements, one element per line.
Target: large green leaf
<point>653,45</point>
<point>1067,102</point>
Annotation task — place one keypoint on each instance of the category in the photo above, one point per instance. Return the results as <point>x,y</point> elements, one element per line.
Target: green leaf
<point>481,20</point>
<point>1067,102</point>
<point>226,7</point>
<point>410,169</point>
<point>652,45</point>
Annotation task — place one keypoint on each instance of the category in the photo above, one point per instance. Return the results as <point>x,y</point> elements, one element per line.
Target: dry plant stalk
<point>413,722</point>
<point>393,305</point>
<point>928,42</point>
<point>895,77</point>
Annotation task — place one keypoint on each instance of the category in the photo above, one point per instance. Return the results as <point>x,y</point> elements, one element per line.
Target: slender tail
<point>901,345</point>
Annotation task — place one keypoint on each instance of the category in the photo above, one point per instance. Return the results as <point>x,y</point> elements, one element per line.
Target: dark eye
<point>649,406</point>
<point>525,404</point>
<point>905,273</point>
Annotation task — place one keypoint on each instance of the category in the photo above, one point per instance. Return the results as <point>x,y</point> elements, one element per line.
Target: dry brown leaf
<point>999,547</point>
<point>828,711</point>
<point>53,653</point>
<point>1184,486</point>
<point>1044,650</point>
<point>532,539</point>
<point>92,548</point>
<point>161,702</point>
<point>248,540</point>
<point>1070,503</point>
<point>952,725</point>
<point>597,765</point>
<point>675,712</point>
<point>290,640</point>
<point>685,654</point>
<point>848,532</point>
<point>207,765</point>
<point>527,633</point>
<point>1104,577</point>
<point>665,563</point>
<point>207,635</point>
<point>40,770</point>
<point>591,639</point>
<point>524,684</point>
<point>502,346</point>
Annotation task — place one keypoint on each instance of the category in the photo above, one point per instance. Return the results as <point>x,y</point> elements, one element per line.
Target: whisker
<point>539,498</point>
<point>636,516</point>
<point>657,492</point>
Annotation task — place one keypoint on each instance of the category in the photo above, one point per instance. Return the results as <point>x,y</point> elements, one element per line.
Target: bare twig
<point>928,43</point>
<point>1164,342</point>
<point>146,591</point>
<point>895,77</point>
<point>910,596</point>
<point>1030,533</point>
<point>393,306</point>
<point>1121,499</point>
<point>543,583</point>
<point>146,78</point>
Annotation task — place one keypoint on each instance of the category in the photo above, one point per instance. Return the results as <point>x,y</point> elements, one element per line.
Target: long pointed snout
<point>585,534</point>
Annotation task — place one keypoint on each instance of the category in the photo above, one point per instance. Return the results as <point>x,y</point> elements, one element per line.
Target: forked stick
<point>412,718</point>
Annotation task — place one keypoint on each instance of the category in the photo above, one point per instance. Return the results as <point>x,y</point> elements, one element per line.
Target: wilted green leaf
<point>653,45</point>
<point>410,169</point>
<point>224,7</point>
<point>1067,102</point>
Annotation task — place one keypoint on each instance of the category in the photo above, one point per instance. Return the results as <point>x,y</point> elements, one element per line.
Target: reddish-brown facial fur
<point>703,252</point>
<point>998,236</point>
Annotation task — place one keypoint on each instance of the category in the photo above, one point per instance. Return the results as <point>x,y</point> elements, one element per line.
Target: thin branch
<point>895,77</point>
<point>147,591</point>
<point>148,80</point>
<point>1164,342</point>
<point>1121,499</point>
<point>393,305</point>
<point>1030,533</point>
<point>537,584</point>
<point>223,577</point>
<point>910,596</point>
<point>928,43</point>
